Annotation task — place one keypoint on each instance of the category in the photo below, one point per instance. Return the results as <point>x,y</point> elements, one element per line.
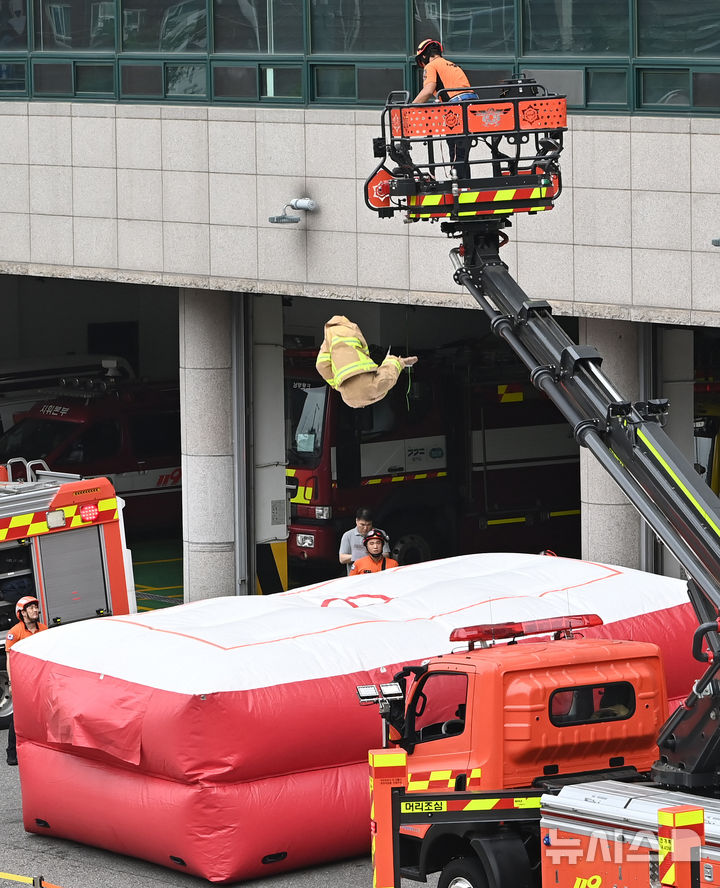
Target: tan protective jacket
<point>344,363</point>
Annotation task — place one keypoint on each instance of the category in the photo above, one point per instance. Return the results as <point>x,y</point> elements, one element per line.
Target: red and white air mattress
<point>224,738</point>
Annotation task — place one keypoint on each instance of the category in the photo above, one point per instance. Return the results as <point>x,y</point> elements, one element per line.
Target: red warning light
<point>89,512</point>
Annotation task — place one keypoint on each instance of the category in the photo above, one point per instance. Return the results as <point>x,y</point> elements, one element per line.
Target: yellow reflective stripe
<point>362,366</point>
<point>322,356</point>
<point>388,760</point>
<point>481,804</point>
<point>27,880</point>
<point>669,877</point>
<point>350,340</point>
<point>468,196</point>
<point>677,480</point>
<point>563,512</point>
<point>527,802</point>
<point>505,194</point>
<point>507,521</point>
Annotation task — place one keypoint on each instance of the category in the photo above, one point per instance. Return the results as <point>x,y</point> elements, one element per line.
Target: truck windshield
<point>35,438</point>
<point>304,421</point>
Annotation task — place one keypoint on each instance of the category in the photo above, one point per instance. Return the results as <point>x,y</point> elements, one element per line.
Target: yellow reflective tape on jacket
<point>363,366</point>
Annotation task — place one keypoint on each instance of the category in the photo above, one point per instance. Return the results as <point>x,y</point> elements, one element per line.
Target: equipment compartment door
<point>74,575</point>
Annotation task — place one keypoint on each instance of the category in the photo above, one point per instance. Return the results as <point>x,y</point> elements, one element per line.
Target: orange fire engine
<point>62,540</point>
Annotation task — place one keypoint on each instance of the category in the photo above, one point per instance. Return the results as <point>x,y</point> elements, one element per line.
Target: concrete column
<point>207,449</point>
<point>610,526</point>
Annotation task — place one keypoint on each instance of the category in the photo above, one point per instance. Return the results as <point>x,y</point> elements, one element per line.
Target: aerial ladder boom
<point>627,439</point>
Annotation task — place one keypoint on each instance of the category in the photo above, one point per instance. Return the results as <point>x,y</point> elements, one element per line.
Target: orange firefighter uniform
<point>368,565</point>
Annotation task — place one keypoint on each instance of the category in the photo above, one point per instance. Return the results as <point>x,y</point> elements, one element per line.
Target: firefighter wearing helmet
<point>440,73</point>
<point>27,610</point>
<point>374,561</point>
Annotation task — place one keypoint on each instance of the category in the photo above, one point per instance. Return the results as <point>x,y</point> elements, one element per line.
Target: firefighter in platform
<point>440,73</point>
<point>344,362</point>
<point>27,610</point>
<point>374,561</point>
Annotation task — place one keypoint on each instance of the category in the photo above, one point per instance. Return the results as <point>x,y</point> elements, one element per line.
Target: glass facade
<point>618,55</point>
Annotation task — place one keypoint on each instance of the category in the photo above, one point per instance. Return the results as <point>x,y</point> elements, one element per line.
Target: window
<point>157,26</point>
<point>666,28</point>
<point>577,27</point>
<point>304,420</point>
<point>357,26</point>
<point>35,438</point>
<point>438,708</point>
<point>262,26</point>
<point>102,440</point>
<point>13,25</point>
<point>156,435</point>
<point>83,26</point>
<point>592,703</point>
<point>467,26</point>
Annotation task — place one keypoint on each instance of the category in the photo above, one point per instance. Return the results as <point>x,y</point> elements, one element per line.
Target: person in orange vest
<point>374,561</point>
<point>440,73</point>
<point>27,610</point>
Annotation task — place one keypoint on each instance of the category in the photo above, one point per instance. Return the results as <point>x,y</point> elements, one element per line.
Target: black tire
<point>410,547</point>
<point>463,872</point>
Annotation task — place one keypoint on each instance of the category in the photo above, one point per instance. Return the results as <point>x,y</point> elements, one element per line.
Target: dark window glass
<point>589,704</point>
<point>141,80</point>
<point>576,27</point>
<point>12,78</point>
<point>335,82</point>
<point>467,25</point>
<point>665,88</point>
<point>94,78</point>
<point>156,435</point>
<point>607,87</point>
<point>566,82</point>
<point>437,710</point>
<point>282,82</point>
<point>13,25</point>
<point>186,80</point>
<point>666,28</point>
<point>35,438</point>
<point>352,26</point>
<point>101,441</point>
<point>304,421</point>
<point>376,83</point>
<point>235,82</point>
<point>258,26</point>
<point>706,90</point>
<point>77,25</point>
<point>53,80</point>
<point>159,26</point>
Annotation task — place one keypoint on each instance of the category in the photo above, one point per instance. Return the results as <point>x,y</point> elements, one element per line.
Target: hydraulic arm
<point>627,439</point>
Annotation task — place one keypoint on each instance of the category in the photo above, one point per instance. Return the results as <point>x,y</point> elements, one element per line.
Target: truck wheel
<point>463,872</point>
<point>6,706</point>
<point>411,548</point>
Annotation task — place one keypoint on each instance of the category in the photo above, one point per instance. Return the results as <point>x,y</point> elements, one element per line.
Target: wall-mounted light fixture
<point>297,203</point>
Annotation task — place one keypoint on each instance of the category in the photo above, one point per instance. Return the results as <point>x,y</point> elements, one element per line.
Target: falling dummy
<point>344,363</point>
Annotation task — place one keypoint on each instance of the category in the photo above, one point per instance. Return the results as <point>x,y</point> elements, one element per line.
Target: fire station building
<point>148,149</point>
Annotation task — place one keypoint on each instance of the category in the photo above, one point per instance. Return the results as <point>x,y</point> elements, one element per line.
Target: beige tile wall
<point>182,195</point>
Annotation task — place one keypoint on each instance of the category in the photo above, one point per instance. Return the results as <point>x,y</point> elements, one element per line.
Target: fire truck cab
<point>461,456</point>
<point>483,731</point>
<point>126,431</point>
<point>62,540</point>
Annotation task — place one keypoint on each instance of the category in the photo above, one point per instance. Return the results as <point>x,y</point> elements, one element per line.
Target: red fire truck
<point>62,540</point>
<point>462,455</point>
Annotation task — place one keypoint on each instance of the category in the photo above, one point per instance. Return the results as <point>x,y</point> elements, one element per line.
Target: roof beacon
<point>561,627</point>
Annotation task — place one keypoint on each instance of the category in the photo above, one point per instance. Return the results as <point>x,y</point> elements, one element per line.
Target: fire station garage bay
<point>150,160</point>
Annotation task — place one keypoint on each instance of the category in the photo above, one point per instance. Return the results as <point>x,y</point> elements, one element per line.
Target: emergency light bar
<point>488,632</point>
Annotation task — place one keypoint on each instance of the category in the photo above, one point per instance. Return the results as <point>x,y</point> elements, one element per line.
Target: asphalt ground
<point>72,865</point>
